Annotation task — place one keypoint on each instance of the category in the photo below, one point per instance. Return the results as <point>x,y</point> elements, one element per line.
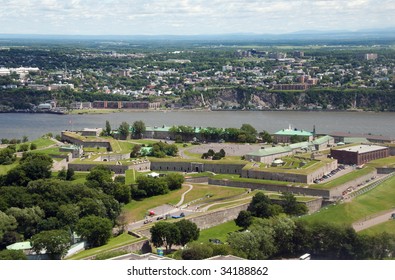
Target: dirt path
<point>372,221</point>
<point>183,195</point>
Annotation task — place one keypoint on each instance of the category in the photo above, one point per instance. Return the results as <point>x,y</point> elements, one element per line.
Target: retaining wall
<point>197,167</point>
<point>273,188</point>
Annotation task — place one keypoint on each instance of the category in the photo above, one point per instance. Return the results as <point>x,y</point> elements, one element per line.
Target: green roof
<point>355,140</point>
<point>290,132</point>
<point>322,140</point>
<point>158,128</point>
<point>300,145</point>
<point>271,151</point>
<point>20,246</point>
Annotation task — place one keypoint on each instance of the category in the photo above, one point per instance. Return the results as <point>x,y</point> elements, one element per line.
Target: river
<point>16,125</point>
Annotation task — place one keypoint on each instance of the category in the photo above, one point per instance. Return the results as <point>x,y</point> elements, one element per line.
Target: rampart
<point>270,187</point>
<point>181,166</point>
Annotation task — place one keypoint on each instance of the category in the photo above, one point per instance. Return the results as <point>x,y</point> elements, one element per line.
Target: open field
<point>248,180</point>
<point>218,232</point>
<point>113,243</point>
<point>5,168</point>
<point>383,162</point>
<point>136,210</point>
<point>388,227</point>
<point>374,201</point>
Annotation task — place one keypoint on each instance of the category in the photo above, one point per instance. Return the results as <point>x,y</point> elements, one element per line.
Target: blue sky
<point>189,17</point>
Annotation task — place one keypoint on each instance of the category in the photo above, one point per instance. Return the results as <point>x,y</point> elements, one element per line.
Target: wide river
<point>16,125</point>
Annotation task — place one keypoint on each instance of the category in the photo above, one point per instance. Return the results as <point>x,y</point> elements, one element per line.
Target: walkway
<point>370,222</point>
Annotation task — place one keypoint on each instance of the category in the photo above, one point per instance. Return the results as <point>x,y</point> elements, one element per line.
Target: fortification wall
<point>273,188</point>
<point>196,167</point>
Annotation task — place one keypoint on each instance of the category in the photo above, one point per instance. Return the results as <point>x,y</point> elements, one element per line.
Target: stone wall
<point>290,177</point>
<point>142,246</point>
<point>117,169</point>
<point>88,144</point>
<point>337,192</point>
<point>113,157</point>
<point>197,167</point>
<point>385,170</point>
<point>273,188</point>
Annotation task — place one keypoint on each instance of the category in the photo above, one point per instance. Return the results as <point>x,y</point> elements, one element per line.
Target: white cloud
<point>190,16</point>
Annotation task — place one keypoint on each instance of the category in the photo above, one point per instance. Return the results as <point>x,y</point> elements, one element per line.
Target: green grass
<point>388,162</point>
<point>218,232</point>
<point>95,150</point>
<point>121,240</point>
<point>344,179</point>
<point>50,151</point>
<point>43,142</point>
<point>146,142</point>
<point>5,168</point>
<point>136,210</point>
<point>237,178</point>
<point>212,194</point>
<point>388,227</point>
<point>374,201</point>
<point>130,176</point>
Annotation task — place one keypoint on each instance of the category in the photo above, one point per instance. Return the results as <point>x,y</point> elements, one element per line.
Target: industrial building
<point>360,154</point>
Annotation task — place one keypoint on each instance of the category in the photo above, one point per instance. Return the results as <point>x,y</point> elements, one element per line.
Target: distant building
<point>284,135</point>
<point>80,105</point>
<point>91,132</point>
<point>343,136</point>
<point>369,56</point>
<point>360,154</point>
<point>298,54</point>
<point>277,55</point>
<point>291,87</point>
<point>76,151</point>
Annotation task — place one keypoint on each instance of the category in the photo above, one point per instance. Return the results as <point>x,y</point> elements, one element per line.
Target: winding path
<point>367,223</point>
<point>183,195</point>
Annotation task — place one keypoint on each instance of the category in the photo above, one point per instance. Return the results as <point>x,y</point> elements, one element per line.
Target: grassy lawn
<point>136,210</point>
<point>201,174</point>
<point>389,161</point>
<point>343,179</point>
<point>212,193</point>
<point>374,201</point>
<point>113,243</point>
<point>43,142</point>
<point>5,168</point>
<point>146,142</point>
<point>388,227</point>
<point>248,180</point>
<point>218,232</point>
<point>130,176</point>
<point>50,151</point>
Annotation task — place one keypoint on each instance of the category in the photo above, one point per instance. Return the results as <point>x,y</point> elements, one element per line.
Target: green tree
<point>197,251</point>
<point>96,230</point>
<point>266,137</point>
<point>98,176</point>
<point>7,223</point>
<point>188,231</point>
<point>70,174</point>
<point>244,219</point>
<point>68,215</point>
<point>54,242</point>
<point>174,181</point>
<point>135,151</point>
<point>123,130</point>
<point>262,207</point>
<point>165,234</point>
<point>62,174</point>
<point>12,255</point>
<point>7,156</point>
<point>138,128</point>
<point>27,219</point>
<point>291,206</point>
<point>33,146</point>
<point>107,129</point>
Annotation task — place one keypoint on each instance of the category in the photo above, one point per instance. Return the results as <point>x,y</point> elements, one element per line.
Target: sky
<point>191,17</point>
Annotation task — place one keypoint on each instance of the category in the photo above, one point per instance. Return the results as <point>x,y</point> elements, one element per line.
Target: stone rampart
<point>181,166</point>
<point>269,187</point>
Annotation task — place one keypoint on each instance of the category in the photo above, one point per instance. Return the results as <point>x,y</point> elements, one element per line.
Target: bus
<point>305,257</point>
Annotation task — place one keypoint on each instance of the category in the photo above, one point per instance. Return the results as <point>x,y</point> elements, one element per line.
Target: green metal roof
<point>348,140</point>
<point>322,140</point>
<point>271,151</point>
<point>20,246</point>
<point>290,132</point>
<point>300,145</point>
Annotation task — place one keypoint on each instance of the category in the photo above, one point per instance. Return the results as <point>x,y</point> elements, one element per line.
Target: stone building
<point>360,154</point>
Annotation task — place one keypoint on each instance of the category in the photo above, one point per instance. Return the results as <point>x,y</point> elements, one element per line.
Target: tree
<point>54,242</point>
<point>135,151</point>
<point>12,255</point>
<point>262,207</point>
<point>123,130</point>
<point>291,206</point>
<point>62,174</point>
<point>98,176</point>
<point>174,181</point>
<point>107,129</point>
<point>7,223</point>
<point>165,234</point>
<point>70,174</point>
<point>7,156</point>
<point>138,128</point>
<point>68,215</point>
<point>27,218</point>
<point>33,146</point>
<point>244,219</point>
<point>96,230</point>
<point>197,251</point>
<point>188,231</point>
<point>266,137</point>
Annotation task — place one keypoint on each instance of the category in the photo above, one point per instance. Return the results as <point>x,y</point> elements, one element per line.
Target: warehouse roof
<point>290,132</point>
<point>363,148</point>
<point>271,151</point>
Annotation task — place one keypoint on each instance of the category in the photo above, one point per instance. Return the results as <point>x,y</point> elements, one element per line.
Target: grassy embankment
<point>113,243</point>
<point>379,199</point>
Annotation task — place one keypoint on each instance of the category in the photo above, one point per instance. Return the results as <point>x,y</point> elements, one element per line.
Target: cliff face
<point>317,98</point>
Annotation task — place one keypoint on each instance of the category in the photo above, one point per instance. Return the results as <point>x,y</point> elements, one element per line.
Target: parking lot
<point>340,171</point>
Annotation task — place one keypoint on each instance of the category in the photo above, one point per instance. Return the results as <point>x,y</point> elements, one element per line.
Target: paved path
<point>369,222</point>
<point>183,195</point>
